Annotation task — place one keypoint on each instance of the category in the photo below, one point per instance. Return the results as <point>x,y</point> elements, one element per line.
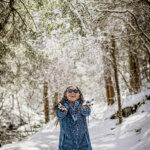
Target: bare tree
<point>113,54</point>
<point>107,75</point>
<point>46,103</point>
<point>55,102</point>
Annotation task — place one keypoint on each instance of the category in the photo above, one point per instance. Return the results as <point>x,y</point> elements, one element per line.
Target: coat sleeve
<point>86,112</point>
<point>60,115</point>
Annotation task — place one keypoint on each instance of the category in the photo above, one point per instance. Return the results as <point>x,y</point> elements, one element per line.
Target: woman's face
<point>72,94</point>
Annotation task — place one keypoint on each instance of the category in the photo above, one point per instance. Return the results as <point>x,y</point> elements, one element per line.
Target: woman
<point>72,114</point>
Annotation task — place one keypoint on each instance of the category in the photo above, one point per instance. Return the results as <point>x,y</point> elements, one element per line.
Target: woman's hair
<point>64,99</point>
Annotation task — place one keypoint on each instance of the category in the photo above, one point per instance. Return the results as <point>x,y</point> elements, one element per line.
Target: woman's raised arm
<point>60,114</point>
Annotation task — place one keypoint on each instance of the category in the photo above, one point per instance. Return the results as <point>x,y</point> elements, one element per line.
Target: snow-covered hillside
<point>105,134</point>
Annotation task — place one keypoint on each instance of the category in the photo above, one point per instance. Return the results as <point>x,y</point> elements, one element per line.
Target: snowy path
<point>133,134</point>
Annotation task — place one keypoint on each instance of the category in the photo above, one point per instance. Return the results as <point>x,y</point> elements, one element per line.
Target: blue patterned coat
<point>74,133</point>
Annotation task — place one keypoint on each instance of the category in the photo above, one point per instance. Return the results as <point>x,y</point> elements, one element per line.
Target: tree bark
<point>113,52</point>
<point>110,94</point>
<point>135,79</point>
<point>109,87</point>
<point>55,102</point>
<point>46,102</point>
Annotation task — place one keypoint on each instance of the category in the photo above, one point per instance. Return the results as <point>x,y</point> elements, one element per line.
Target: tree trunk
<point>107,77</point>
<point>113,52</point>
<point>147,58</point>
<point>12,106</point>
<point>134,69</point>
<point>109,88</point>
<point>135,79</point>
<point>148,68</point>
<point>46,103</point>
<point>55,102</point>
<point>19,110</point>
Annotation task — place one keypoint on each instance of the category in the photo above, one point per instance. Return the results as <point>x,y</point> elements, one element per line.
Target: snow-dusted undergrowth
<point>132,134</point>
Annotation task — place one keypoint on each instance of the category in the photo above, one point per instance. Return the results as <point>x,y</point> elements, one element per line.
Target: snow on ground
<point>105,134</point>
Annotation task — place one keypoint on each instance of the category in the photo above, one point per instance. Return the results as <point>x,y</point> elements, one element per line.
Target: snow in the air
<point>105,134</point>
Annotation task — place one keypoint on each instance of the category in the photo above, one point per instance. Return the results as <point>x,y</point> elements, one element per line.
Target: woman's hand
<point>61,111</point>
<point>62,108</point>
<point>87,104</point>
<point>84,107</point>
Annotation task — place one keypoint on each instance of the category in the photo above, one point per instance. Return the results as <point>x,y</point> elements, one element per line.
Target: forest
<point>100,46</point>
